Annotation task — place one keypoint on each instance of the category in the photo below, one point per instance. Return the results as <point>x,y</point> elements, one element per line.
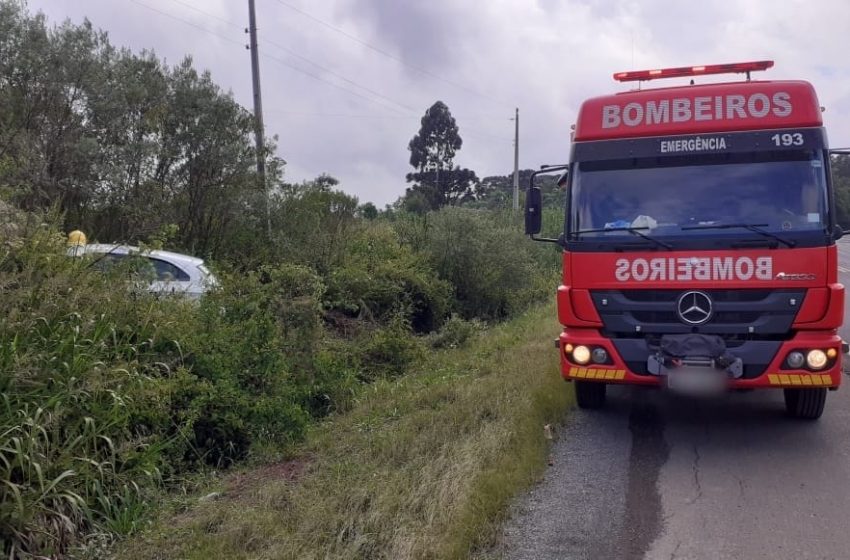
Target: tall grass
<point>72,383</point>
<point>423,466</point>
<point>109,392</point>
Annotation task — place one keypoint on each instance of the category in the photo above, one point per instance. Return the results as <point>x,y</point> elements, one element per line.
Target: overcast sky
<point>345,82</point>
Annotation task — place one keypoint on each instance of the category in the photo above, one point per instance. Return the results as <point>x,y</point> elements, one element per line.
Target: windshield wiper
<point>633,230</point>
<point>752,227</point>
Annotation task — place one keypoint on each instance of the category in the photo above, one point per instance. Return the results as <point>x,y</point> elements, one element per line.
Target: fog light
<point>599,355</point>
<point>816,359</point>
<point>795,360</point>
<point>581,355</point>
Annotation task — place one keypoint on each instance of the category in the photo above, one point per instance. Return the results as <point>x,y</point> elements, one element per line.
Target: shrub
<point>335,379</point>
<point>85,406</point>
<point>381,278</point>
<point>456,332</point>
<point>496,272</point>
<point>254,343</point>
<point>108,392</point>
<point>313,223</point>
<point>388,352</point>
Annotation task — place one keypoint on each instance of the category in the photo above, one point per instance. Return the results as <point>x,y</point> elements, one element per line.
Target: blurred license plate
<point>696,380</point>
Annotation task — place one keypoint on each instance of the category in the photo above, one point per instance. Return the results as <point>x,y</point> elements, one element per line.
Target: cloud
<point>425,34</point>
<point>544,57</point>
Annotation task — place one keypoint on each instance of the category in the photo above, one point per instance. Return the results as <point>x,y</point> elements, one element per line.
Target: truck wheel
<point>805,403</point>
<point>590,394</point>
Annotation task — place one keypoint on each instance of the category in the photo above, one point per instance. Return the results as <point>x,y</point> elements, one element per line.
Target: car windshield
<point>780,192</point>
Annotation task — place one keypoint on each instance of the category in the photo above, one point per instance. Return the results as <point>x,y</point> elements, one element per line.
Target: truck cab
<point>699,240</point>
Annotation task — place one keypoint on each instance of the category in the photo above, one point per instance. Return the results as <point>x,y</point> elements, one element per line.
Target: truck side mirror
<point>838,232</point>
<point>533,211</point>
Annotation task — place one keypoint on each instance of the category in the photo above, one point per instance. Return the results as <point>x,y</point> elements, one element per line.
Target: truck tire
<point>805,403</point>
<point>590,395</point>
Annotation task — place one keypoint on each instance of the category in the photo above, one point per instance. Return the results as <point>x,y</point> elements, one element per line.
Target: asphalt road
<point>655,476</point>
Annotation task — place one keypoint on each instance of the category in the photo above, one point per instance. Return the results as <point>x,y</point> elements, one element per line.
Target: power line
<point>467,131</point>
<point>323,80</point>
<point>298,56</point>
<point>187,22</point>
<point>209,14</point>
<point>388,54</point>
<point>271,57</point>
<point>477,133</point>
<point>474,132</point>
<point>466,128</point>
<point>337,75</point>
<point>313,63</point>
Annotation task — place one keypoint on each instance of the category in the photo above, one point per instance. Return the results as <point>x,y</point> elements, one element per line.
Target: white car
<point>172,273</point>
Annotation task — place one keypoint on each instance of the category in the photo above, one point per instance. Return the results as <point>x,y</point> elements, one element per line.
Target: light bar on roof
<point>734,68</point>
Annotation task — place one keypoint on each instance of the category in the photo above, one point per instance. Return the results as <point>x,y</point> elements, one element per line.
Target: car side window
<point>105,262</point>
<point>165,271</point>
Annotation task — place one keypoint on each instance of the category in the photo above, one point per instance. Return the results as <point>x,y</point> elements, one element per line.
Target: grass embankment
<point>422,467</point>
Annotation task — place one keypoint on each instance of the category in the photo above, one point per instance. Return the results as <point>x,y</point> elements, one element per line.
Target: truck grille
<point>752,322</point>
<point>753,314</point>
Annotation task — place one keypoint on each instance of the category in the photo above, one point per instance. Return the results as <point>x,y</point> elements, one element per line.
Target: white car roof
<point>102,248</point>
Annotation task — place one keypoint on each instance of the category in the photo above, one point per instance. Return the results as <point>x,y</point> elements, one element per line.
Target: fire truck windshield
<point>783,192</point>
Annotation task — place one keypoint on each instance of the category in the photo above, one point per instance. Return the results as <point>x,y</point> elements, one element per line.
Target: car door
<point>169,278</point>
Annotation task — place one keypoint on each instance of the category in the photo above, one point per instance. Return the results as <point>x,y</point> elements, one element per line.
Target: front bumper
<point>773,376</point>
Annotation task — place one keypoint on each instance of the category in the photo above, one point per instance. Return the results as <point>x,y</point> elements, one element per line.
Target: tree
<point>46,147</point>
<point>313,222</point>
<point>437,141</point>
<point>437,181</point>
<point>122,144</point>
<point>368,211</point>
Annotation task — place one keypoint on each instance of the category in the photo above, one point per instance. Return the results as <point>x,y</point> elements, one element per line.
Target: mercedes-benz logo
<point>694,308</point>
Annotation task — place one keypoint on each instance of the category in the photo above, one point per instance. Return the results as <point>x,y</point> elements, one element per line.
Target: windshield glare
<point>783,192</point>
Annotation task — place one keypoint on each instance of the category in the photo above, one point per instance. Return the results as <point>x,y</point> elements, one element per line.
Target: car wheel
<point>806,404</point>
<point>590,395</point>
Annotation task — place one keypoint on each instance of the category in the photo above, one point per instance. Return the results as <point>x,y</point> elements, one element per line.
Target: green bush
<point>108,392</point>
<point>312,224</point>
<point>335,379</point>
<point>82,395</point>
<point>456,332</point>
<point>495,270</point>
<point>381,278</point>
<point>254,343</point>
<point>388,351</point>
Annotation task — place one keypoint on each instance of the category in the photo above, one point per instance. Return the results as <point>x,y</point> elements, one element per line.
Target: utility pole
<point>516,159</point>
<point>259,130</point>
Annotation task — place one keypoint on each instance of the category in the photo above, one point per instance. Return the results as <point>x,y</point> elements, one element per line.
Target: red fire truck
<point>699,247</point>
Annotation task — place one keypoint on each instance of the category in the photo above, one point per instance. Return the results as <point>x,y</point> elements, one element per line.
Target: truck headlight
<point>795,360</point>
<point>816,359</point>
<point>599,355</point>
<point>581,354</point>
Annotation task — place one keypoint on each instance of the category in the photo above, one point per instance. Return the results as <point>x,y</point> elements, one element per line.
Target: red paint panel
<point>732,269</point>
<point>832,264</point>
<point>727,107</point>
<point>834,317</point>
<point>567,277</point>
<point>584,308</point>
<point>822,309</point>
<point>575,308</point>
<point>814,306</point>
